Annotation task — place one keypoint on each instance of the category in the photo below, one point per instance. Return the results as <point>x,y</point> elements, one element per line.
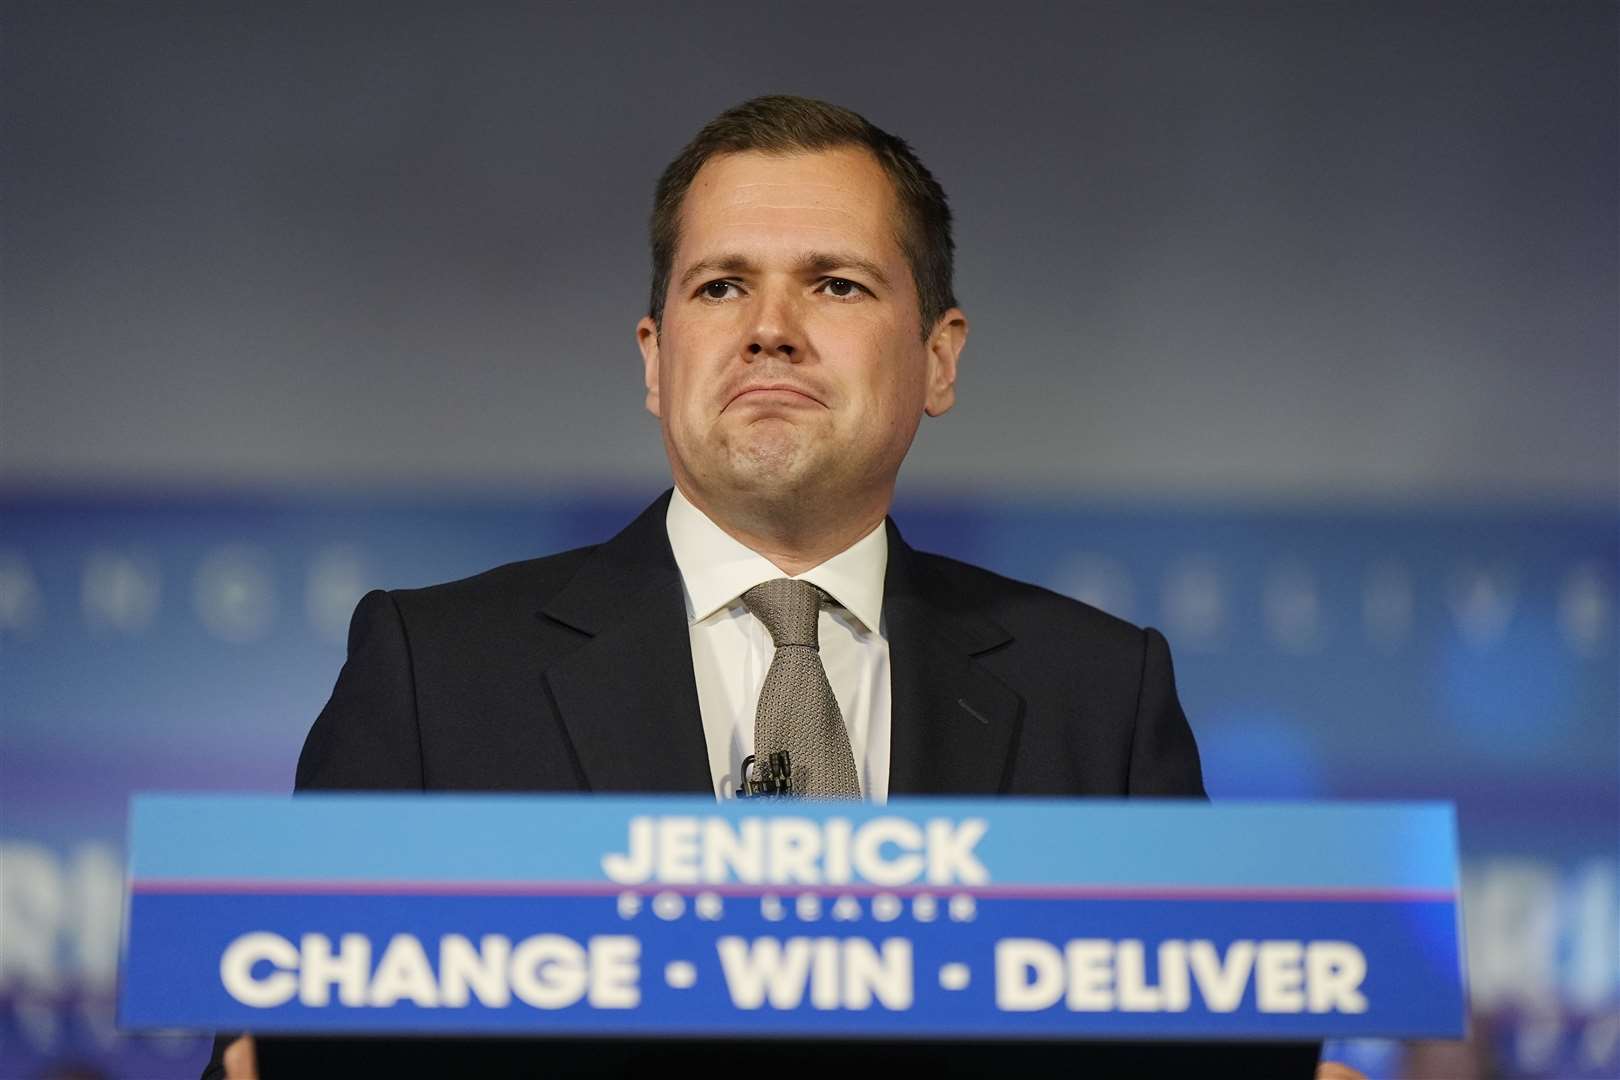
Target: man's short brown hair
<point>781,124</point>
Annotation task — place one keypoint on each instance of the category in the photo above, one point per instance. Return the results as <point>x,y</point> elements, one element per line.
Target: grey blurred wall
<point>1232,250</point>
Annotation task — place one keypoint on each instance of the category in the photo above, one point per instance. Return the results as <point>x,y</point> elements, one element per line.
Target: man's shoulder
<point>518,588</point>
<point>1021,606</point>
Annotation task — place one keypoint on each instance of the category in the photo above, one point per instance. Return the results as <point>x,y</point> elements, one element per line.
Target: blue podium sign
<point>927,918</point>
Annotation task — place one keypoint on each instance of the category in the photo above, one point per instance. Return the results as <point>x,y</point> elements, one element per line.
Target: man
<point>802,323</point>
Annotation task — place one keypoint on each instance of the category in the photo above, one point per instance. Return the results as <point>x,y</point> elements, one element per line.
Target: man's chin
<point>769,473</point>
<point>771,453</point>
<point>764,479</point>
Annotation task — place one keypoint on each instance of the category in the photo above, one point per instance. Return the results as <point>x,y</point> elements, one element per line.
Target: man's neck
<point>792,542</point>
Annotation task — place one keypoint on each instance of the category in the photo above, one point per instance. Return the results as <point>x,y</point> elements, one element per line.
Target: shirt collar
<point>717,569</point>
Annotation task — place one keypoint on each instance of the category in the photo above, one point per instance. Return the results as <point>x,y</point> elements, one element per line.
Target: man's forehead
<point>841,192</point>
<point>817,177</point>
<point>779,195</point>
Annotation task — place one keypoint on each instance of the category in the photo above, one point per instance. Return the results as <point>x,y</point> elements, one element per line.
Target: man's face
<point>789,364</point>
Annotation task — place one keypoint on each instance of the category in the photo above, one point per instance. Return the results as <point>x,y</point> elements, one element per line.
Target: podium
<point>760,935</point>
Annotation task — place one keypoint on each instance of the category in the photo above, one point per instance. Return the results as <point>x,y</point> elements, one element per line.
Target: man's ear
<point>944,347</point>
<point>647,338</point>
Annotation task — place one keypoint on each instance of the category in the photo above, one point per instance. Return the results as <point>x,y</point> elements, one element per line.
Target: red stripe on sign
<point>198,886</point>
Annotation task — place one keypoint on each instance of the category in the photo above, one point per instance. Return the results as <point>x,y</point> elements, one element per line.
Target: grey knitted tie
<point>797,710</point>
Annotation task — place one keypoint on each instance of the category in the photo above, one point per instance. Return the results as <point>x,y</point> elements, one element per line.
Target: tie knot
<point>788,608</point>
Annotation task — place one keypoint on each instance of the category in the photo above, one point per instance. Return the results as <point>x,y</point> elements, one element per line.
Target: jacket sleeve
<point>1164,756</point>
<point>367,736</point>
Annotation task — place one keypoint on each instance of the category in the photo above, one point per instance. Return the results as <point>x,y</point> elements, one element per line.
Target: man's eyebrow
<point>825,262</point>
<point>815,262</point>
<point>719,264</point>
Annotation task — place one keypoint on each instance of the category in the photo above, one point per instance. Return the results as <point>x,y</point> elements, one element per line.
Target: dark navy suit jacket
<point>574,673</point>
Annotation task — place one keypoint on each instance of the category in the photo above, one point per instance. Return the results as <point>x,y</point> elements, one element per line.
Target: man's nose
<point>775,329</point>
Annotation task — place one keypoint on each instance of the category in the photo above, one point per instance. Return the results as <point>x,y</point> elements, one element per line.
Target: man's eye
<point>842,288</point>
<point>716,290</point>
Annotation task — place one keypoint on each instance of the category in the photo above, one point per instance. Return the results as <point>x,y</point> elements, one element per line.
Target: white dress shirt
<point>731,649</point>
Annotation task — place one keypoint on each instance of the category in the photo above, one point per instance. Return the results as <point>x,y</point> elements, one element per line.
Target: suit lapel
<point>953,724</point>
<point>627,696</point>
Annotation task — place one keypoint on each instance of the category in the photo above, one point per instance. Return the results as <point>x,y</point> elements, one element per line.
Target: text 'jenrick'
<point>889,851</point>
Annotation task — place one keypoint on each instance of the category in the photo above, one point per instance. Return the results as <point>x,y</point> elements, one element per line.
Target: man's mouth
<point>776,393</point>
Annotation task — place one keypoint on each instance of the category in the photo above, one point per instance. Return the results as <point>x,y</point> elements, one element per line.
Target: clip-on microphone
<point>776,778</point>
